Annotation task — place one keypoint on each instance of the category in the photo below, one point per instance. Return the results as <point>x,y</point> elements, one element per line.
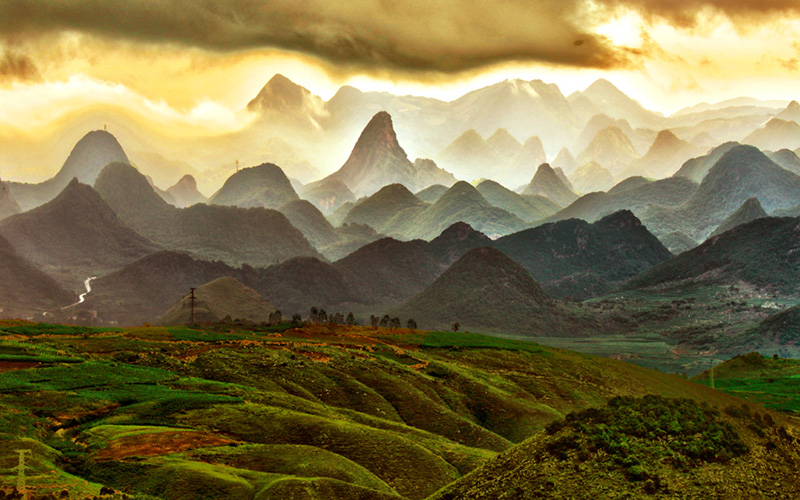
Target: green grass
<point>773,383</point>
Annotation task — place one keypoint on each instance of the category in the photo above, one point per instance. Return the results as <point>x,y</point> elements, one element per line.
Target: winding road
<point>82,297</point>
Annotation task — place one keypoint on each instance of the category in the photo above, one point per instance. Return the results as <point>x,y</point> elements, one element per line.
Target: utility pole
<point>191,305</point>
<point>21,486</point>
<point>712,373</point>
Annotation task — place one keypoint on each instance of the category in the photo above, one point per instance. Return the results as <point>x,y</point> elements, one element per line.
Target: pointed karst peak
<point>664,139</point>
<point>503,140</point>
<point>279,93</point>
<point>602,86</point>
<point>379,132</point>
<point>793,106</point>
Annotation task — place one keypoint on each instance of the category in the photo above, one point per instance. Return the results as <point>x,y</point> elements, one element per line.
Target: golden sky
<point>188,67</point>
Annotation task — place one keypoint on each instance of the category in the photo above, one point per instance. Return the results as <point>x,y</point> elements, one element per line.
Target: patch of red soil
<point>158,443</point>
<point>10,366</point>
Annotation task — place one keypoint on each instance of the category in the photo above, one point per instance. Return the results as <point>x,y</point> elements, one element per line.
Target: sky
<point>187,68</point>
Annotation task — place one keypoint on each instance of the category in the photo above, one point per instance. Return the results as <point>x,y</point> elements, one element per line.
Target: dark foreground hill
<point>487,291</point>
<point>323,412</point>
<point>8,205</point>
<point>75,235</point>
<point>763,253</point>
<point>573,258</point>
<point>25,286</point>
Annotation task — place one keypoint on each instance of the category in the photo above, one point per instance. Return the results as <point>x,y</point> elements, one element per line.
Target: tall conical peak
<point>378,132</point>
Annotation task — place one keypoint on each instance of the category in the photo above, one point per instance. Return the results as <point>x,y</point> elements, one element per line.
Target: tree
<point>411,324</point>
<point>297,320</point>
<point>275,318</point>
<point>313,316</point>
<point>323,316</point>
<point>395,323</point>
<point>337,319</point>
<point>373,320</point>
<point>385,321</point>
<point>351,320</point>
<point>456,326</point>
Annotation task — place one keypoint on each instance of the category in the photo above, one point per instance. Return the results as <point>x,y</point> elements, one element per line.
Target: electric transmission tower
<point>21,486</point>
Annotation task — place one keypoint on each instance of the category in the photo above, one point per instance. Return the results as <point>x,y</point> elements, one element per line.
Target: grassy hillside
<point>649,447</point>
<point>336,412</point>
<point>765,380</point>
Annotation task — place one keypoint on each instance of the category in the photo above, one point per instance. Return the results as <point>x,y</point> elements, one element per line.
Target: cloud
<point>410,35</point>
<point>693,13</point>
<point>18,67</point>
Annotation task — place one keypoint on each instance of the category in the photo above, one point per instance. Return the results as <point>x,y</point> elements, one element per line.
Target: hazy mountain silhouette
<point>185,192</point>
<point>573,258</point>
<point>609,100</point>
<point>790,113</point>
<point>470,156</point>
<point>669,192</point>
<point>629,183</point>
<point>262,186</point>
<point>283,100</point>
<point>787,159</point>
<point>529,208</point>
<point>328,195</point>
<point>431,193</point>
<point>461,203</point>
<point>232,234</point>
<point>377,159</point>
<point>697,168</point>
<point>382,209</point>
<point>216,300</point>
<point>592,177</point>
<point>743,172</point>
<point>664,158</point>
<point>310,221</point>
<point>611,148</point>
<point>600,122</point>
<point>750,210</point>
<point>565,161</point>
<point>776,134</point>
<point>75,235</point>
<point>547,183</point>
<point>94,151</point>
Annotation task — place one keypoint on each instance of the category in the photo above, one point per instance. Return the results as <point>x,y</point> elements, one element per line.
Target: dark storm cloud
<point>441,35</point>
<point>416,35</point>
<point>17,67</point>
